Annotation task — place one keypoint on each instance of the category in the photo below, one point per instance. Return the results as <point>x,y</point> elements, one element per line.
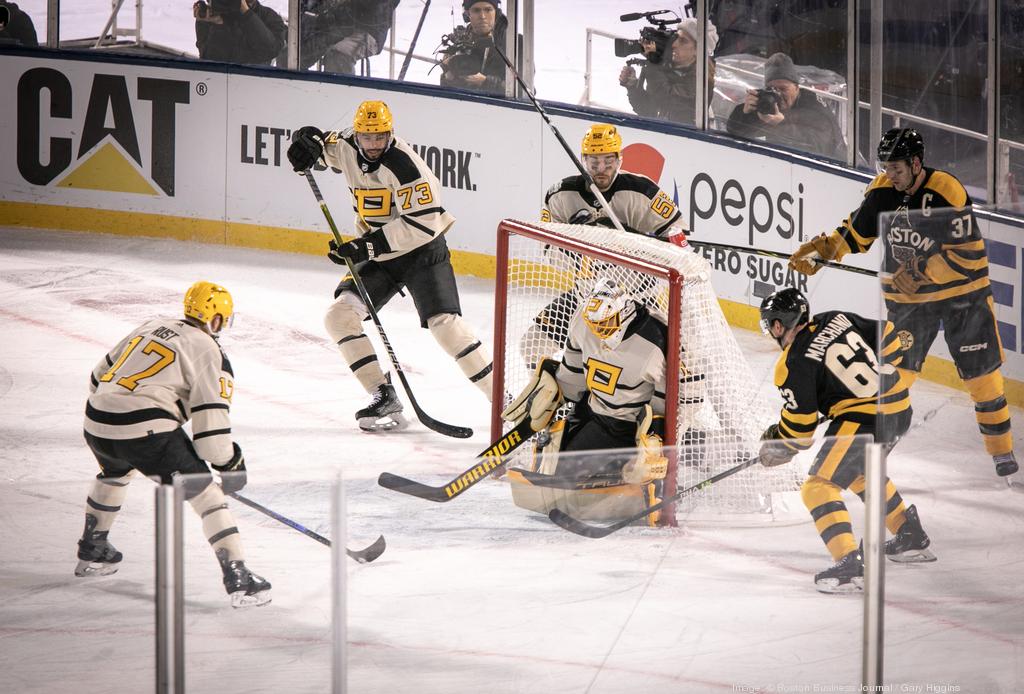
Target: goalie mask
<point>204,301</point>
<point>789,307</point>
<point>608,311</point>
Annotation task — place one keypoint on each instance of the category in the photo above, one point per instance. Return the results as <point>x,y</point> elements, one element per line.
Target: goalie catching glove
<point>649,464</point>
<point>821,247</point>
<point>774,451</point>
<point>539,400</point>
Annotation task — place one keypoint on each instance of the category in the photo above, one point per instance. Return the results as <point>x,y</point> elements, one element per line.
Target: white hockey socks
<point>105,499</point>
<point>218,522</point>
<point>343,322</point>
<point>455,338</point>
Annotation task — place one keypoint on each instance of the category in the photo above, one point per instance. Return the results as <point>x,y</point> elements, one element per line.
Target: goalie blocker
<point>613,373</point>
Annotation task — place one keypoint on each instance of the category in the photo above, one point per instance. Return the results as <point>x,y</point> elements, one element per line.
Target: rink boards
<point>197,152</point>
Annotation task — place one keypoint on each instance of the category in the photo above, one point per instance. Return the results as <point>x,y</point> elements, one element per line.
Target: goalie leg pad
<point>343,322</point>
<point>455,338</point>
<point>218,522</point>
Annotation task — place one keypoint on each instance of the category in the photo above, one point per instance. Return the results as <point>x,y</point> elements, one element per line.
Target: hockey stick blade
<point>490,460</point>
<point>452,430</point>
<point>363,556</point>
<point>570,482</point>
<point>564,520</point>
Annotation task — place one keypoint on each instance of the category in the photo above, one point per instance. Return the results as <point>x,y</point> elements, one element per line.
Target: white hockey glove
<point>649,463</point>
<point>539,400</point>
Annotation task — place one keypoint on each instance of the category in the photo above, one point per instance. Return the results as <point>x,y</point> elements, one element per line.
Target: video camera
<point>456,48</point>
<point>658,33</point>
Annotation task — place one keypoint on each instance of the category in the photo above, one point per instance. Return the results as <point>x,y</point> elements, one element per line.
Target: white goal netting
<point>718,415</point>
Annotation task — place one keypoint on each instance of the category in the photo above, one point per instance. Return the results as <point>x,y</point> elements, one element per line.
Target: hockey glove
<point>539,400</point>
<point>649,464</point>
<point>306,149</point>
<point>582,216</point>
<point>821,247</point>
<point>232,473</point>
<point>908,277</point>
<point>771,433</point>
<point>359,249</point>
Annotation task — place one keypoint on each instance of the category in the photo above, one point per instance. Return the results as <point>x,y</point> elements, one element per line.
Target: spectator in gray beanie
<point>783,114</point>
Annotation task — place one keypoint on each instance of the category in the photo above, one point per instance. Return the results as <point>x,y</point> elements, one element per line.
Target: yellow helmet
<point>204,300</point>
<point>602,138</point>
<point>373,117</point>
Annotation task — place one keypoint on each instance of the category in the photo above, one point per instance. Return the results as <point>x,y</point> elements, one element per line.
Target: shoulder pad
<point>948,187</point>
<point>637,183</point>
<point>402,165</point>
<point>880,182</point>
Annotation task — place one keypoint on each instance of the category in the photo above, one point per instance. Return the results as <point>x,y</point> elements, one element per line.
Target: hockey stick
<point>490,460</point>
<point>561,140</point>
<point>412,46</point>
<point>569,482</point>
<point>566,521</point>
<point>777,254</point>
<point>363,556</point>
<point>427,421</point>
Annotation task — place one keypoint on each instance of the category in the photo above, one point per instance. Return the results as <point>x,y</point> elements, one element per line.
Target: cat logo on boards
<point>108,156</point>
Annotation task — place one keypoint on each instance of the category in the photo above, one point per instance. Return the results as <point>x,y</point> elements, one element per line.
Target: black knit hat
<point>466,4</point>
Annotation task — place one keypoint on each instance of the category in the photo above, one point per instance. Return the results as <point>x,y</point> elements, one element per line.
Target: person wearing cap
<point>667,86</point>
<point>934,276</point>
<point>783,114</point>
<point>476,65</point>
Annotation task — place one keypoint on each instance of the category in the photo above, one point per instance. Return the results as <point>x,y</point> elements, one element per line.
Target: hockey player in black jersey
<point>637,201</point>
<point>935,276</point>
<point>829,368</point>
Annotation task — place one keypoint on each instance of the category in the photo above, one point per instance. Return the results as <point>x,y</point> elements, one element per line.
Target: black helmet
<point>788,306</point>
<point>901,144</point>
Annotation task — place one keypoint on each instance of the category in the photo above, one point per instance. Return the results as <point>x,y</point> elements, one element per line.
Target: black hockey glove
<point>306,149</point>
<point>233,475</point>
<point>771,433</point>
<point>359,249</point>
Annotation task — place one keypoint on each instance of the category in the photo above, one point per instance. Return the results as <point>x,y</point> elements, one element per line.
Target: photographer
<point>16,26</point>
<point>471,61</point>
<point>341,32</point>
<point>238,31</point>
<point>667,85</point>
<point>784,115</point>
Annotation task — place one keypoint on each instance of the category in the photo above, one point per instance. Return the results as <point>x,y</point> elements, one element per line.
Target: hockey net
<point>714,412</point>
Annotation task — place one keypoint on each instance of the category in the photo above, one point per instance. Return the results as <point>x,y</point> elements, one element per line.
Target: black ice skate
<point>96,556</point>
<point>911,541</point>
<point>384,413</point>
<point>1006,464</point>
<point>245,588</point>
<point>845,576</point>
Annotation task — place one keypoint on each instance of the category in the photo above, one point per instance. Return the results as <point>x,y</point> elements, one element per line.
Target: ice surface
<point>471,596</point>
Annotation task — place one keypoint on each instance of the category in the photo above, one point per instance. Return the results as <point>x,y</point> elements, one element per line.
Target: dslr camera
<point>767,99</point>
<point>658,33</point>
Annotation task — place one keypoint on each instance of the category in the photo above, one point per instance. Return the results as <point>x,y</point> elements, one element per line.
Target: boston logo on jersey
<point>107,156</point>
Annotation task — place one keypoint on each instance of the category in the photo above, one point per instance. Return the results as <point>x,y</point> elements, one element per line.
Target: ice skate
<point>245,588</point>
<point>911,542</point>
<point>384,413</point>
<point>845,576</point>
<point>1006,464</point>
<point>96,556</point>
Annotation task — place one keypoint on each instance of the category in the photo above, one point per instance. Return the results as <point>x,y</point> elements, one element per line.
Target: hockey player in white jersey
<point>638,203</point>
<point>400,242</point>
<point>161,375</point>
<point>613,369</point>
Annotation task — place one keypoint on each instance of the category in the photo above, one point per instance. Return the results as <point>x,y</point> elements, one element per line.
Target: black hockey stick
<point>777,254</point>
<point>427,421</point>
<point>363,556</point>
<point>412,46</point>
<point>561,140</point>
<point>566,521</point>
<point>490,460</point>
